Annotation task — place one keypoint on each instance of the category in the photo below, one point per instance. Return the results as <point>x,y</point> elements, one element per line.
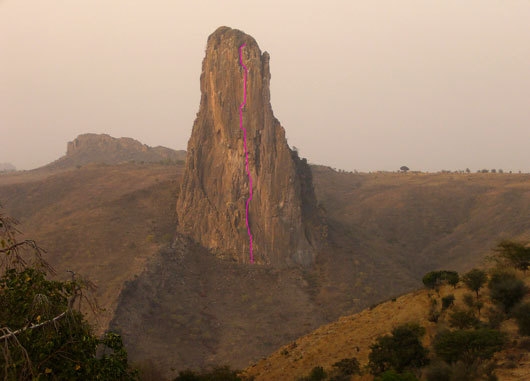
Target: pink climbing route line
<point>241,106</point>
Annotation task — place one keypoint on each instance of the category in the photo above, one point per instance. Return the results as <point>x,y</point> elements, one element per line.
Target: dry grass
<point>103,222</point>
<point>351,336</point>
<point>385,231</point>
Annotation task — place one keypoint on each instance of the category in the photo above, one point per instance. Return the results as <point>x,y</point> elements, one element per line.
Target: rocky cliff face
<point>211,205</point>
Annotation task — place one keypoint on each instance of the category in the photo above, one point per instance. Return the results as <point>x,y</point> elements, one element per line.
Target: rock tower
<point>211,205</point>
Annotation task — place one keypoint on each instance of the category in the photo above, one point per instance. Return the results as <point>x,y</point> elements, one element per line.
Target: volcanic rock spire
<point>211,204</point>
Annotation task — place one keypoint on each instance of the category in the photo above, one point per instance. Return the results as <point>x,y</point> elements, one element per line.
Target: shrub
<point>522,317</point>
<point>525,344</point>
<point>506,290</point>
<point>399,351</point>
<point>469,300</point>
<point>348,367</point>
<point>391,375</point>
<point>438,371</point>
<point>447,301</point>
<point>468,345</point>
<point>317,374</point>
<point>463,319</point>
<point>495,318</point>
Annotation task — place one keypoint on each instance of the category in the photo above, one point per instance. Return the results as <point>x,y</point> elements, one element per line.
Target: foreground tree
<point>42,333</point>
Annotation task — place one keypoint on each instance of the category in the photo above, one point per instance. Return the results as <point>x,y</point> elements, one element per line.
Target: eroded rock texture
<point>211,204</point>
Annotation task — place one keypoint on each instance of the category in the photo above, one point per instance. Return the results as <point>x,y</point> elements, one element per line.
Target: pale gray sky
<point>366,85</point>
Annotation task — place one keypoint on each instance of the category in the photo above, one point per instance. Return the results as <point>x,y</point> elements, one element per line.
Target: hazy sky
<point>366,85</point>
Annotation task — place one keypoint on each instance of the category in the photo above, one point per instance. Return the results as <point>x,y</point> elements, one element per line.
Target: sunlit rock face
<point>211,204</point>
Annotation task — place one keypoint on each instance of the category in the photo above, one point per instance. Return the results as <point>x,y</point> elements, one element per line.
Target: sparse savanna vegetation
<point>480,333</point>
<point>109,221</point>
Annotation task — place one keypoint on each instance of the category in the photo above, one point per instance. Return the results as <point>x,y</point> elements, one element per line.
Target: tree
<point>42,334</point>
<point>399,351</point>
<point>468,345</point>
<point>404,168</point>
<point>475,280</point>
<point>434,279</point>
<point>452,278</point>
<point>506,289</point>
<point>515,254</point>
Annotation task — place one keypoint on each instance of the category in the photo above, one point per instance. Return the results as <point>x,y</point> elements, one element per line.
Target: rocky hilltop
<point>211,205</point>
<point>102,148</point>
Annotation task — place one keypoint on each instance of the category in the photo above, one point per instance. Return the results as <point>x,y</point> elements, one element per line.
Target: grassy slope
<point>351,336</point>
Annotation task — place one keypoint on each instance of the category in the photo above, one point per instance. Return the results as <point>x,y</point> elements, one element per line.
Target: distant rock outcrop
<point>7,167</point>
<point>104,149</point>
<point>211,206</point>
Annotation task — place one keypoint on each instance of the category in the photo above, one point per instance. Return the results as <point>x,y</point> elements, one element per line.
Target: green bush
<point>438,371</point>
<point>468,345</point>
<point>506,290</point>
<point>522,317</point>
<point>402,350</point>
<point>495,318</point>
<point>447,301</point>
<point>317,374</point>
<point>463,319</point>
<point>348,367</point>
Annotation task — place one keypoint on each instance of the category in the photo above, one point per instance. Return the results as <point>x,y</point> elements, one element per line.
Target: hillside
<point>100,218</point>
<point>104,222</point>
<point>408,224</point>
<point>352,336</point>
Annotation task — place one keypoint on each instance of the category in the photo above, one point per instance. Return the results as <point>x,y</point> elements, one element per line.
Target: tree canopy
<point>400,351</point>
<point>468,345</point>
<point>513,253</point>
<point>475,280</point>
<point>42,334</point>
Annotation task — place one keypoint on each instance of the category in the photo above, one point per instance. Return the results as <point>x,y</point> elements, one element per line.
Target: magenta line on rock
<point>241,106</point>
